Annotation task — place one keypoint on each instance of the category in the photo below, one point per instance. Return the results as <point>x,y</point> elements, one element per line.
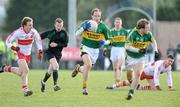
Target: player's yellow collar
<point>140,33</point>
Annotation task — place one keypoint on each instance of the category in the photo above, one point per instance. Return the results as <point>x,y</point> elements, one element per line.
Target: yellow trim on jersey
<point>120,38</point>
<point>93,36</point>
<point>152,39</point>
<point>139,45</point>
<point>81,48</point>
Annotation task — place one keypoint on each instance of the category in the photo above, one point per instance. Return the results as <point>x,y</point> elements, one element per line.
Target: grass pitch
<point>71,96</point>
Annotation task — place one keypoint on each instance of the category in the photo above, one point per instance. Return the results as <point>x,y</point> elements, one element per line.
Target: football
<point>94,25</point>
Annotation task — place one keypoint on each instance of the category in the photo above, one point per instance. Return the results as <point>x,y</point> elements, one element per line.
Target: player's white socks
<point>25,88</point>
<point>114,86</point>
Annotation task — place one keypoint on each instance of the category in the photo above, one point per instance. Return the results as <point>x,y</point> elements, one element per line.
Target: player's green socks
<point>131,91</point>
<point>130,81</point>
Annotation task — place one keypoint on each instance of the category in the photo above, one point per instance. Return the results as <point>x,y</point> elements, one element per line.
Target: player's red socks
<point>146,87</point>
<point>7,69</point>
<point>25,88</point>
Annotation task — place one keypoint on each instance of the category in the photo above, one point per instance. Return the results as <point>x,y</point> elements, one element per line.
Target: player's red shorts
<point>144,76</point>
<point>26,57</point>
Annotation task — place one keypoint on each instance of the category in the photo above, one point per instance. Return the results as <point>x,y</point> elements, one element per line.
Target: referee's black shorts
<point>51,55</point>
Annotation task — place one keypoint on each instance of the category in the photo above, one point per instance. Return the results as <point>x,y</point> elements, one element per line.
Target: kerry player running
<point>136,47</point>
<point>90,45</point>
<point>118,37</point>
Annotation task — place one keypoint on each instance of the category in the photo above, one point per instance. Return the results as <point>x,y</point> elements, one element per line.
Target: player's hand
<point>40,55</point>
<point>15,48</point>
<point>105,52</point>
<point>158,88</point>
<point>52,44</point>
<point>102,43</point>
<point>156,56</point>
<point>142,50</point>
<point>108,42</point>
<point>86,25</point>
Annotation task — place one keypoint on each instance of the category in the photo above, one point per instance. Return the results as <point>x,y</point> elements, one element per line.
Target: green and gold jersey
<point>136,40</point>
<point>118,38</point>
<point>92,39</point>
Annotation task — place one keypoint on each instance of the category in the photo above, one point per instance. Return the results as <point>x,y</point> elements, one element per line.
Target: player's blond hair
<point>25,20</point>
<point>117,18</point>
<point>59,20</point>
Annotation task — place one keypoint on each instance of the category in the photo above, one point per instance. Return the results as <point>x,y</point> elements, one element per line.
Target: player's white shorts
<point>93,53</point>
<point>131,62</point>
<point>117,53</point>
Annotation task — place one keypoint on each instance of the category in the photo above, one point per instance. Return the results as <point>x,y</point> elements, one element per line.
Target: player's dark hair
<point>95,10</point>
<point>171,56</point>
<point>141,23</point>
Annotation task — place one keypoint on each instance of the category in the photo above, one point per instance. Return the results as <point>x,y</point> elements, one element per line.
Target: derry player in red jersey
<point>24,36</point>
<point>152,73</point>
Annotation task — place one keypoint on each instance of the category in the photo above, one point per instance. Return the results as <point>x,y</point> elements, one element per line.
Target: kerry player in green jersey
<point>91,42</point>
<point>136,46</point>
<point>118,37</point>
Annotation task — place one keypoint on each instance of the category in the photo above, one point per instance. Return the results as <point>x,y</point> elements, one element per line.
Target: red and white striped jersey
<point>156,68</point>
<point>24,40</point>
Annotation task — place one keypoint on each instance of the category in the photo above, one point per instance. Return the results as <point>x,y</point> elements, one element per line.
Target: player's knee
<point>25,70</point>
<point>55,67</point>
<point>20,74</point>
<point>88,66</point>
<point>115,69</point>
<point>138,75</point>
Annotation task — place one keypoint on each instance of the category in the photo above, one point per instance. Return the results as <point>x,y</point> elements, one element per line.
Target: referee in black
<point>58,39</point>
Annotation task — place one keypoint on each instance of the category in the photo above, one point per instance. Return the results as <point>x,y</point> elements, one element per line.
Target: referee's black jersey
<point>61,38</point>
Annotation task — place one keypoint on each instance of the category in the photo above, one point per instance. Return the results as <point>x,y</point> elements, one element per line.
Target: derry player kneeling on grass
<point>151,73</point>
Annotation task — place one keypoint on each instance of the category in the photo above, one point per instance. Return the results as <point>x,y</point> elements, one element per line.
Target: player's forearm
<point>156,80</point>
<point>132,49</point>
<point>155,45</point>
<point>38,42</point>
<point>8,44</point>
<point>169,79</point>
<point>9,40</point>
<point>79,31</point>
<point>44,34</point>
<point>62,45</point>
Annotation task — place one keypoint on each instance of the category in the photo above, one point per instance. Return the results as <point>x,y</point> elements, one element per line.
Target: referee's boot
<point>43,86</point>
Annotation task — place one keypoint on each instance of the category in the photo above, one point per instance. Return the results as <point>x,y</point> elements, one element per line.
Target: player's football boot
<point>43,86</point>
<point>85,91</point>
<point>56,88</point>
<point>28,93</point>
<point>2,68</point>
<point>76,70</point>
<point>130,95</point>
<point>110,87</point>
<point>138,87</point>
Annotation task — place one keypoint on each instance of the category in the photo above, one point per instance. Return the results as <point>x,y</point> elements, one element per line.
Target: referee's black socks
<point>46,77</point>
<point>55,76</point>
